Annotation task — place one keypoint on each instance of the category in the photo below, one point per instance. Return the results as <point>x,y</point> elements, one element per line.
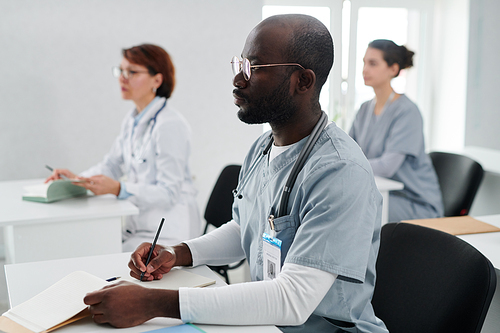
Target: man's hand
<point>127,304</point>
<point>162,260</point>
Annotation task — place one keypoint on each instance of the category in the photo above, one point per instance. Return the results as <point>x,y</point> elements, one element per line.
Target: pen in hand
<point>52,170</point>
<point>153,246</point>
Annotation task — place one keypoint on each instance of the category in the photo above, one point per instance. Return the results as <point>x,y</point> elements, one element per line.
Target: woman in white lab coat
<point>148,162</point>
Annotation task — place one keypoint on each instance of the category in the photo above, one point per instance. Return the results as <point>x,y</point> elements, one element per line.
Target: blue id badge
<point>271,248</point>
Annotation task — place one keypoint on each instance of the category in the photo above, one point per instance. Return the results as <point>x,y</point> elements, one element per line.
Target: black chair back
<point>219,207</point>
<point>459,178</point>
<point>430,281</point>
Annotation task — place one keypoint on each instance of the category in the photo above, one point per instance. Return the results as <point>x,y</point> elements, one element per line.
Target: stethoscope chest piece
<point>138,159</point>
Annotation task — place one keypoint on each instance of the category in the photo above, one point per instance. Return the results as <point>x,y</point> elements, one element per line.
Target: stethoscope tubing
<point>139,156</point>
<point>299,163</point>
<point>297,167</point>
<point>244,180</point>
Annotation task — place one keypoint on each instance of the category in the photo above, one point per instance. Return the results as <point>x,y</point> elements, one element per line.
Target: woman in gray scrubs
<point>389,130</point>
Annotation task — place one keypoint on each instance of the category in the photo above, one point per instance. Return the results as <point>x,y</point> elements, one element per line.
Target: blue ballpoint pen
<point>113,278</point>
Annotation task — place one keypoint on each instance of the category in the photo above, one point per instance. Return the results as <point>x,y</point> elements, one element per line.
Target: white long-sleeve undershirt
<point>219,247</point>
<point>287,300</point>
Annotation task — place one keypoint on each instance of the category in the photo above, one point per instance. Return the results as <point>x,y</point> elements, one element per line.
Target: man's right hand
<point>162,260</point>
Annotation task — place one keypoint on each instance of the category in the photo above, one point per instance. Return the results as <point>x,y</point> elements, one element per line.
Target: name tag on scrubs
<point>271,248</point>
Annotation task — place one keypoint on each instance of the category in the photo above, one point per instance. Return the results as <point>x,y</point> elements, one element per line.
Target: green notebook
<point>53,191</point>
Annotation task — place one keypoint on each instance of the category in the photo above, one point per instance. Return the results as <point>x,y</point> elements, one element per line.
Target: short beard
<point>276,108</point>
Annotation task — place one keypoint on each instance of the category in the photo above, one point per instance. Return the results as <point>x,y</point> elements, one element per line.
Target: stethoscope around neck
<point>139,157</point>
<point>298,165</point>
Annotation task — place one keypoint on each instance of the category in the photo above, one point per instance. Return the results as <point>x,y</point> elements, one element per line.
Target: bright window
<point>378,23</point>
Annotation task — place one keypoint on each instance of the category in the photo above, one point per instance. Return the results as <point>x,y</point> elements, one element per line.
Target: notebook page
<point>175,279</point>
<point>39,190</point>
<point>59,302</point>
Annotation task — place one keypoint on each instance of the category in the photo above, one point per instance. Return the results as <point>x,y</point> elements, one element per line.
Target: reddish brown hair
<point>156,60</point>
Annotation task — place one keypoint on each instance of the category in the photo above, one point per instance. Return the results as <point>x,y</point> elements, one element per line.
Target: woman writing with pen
<point>148,162</point>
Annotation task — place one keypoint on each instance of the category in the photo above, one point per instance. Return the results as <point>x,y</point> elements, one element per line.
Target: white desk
<point>489,245</point>
<point>385,185</point>
<point>20,286</point>
<point>488,158</point>
<point>69,228</point>
<point>488,194</point>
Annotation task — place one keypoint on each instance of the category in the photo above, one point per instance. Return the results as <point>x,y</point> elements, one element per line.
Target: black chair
<point>219,208</point>
<point>430,281</point>
<point>459,178</point>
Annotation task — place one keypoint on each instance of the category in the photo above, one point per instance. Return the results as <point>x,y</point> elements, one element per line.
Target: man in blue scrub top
<point>312,258</point>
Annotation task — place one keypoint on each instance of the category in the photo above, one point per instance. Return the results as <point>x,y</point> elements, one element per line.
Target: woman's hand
<point>101,184</point>
<point>58,173</point>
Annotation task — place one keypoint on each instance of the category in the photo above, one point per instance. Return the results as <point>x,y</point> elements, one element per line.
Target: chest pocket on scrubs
<point>286,227</point>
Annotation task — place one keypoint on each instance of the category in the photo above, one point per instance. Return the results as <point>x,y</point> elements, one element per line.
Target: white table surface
<point>384,186</point>
<point>489,245</point>
<point>488,158</point>
<point>81,226</point>
<point>16,211</point>
<point>28,279</point>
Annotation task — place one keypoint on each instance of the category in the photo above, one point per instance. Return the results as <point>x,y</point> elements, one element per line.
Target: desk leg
<point>68,239</point>
<point>385,206</point>
<point>492,321</point>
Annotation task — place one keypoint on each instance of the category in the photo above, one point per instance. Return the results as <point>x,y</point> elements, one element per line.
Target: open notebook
<point>54,191</point>
<point>62,303</point>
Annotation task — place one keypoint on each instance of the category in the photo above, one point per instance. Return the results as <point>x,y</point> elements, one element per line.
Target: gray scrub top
<point>399,129</point>
<point>333,224</point>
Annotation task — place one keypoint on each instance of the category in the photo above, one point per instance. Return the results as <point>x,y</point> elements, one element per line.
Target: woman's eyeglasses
<point>127,74</point>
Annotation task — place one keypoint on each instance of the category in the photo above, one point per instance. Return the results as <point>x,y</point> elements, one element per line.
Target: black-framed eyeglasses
<point>244,66</point>
<point>127,74</point>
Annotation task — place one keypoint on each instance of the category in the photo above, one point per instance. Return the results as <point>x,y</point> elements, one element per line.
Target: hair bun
<point>406,57</point>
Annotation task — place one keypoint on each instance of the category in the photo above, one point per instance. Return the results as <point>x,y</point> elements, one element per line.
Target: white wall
<point>60,105</point>
<point>483,116</point>
<point>449,75</point>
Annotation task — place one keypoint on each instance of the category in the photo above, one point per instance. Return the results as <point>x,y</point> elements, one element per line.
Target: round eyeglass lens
<point>246,69</point>
<point>116,71</point>
<point>235,65</point>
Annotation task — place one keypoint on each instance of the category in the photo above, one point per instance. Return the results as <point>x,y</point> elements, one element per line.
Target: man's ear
<point>306,80</point>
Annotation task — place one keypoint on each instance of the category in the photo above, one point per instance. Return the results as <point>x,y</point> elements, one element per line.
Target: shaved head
<point>309,43</point>
<point>299,52</point>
